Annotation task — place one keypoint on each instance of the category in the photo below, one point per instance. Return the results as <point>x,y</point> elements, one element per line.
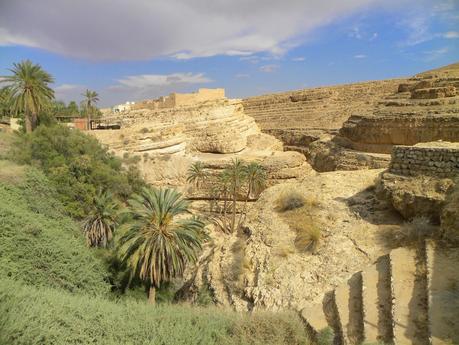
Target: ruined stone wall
<point>424,160</point>
<point>180,99</point>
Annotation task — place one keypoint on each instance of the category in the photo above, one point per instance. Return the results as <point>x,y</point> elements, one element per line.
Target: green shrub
<point>77,165</point>
<point>39,245</point>
<point>46,316</point>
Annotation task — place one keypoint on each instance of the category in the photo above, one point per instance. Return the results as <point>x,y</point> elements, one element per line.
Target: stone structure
<point>438,159</point>
<point>181,99</point>
<point>406,297</point>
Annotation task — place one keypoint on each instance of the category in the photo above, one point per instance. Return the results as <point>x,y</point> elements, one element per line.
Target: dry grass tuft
<point>308,232</point>
<point>290,200</point>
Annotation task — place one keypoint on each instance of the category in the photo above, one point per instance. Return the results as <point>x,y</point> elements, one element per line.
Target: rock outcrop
<point>355,126</point>
<point>420,177</point>
<point>165,142</point>
<point>425,108</point>
<point>262,267</point>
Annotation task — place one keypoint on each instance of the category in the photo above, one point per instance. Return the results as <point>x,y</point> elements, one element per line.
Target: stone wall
<point>439,160</point>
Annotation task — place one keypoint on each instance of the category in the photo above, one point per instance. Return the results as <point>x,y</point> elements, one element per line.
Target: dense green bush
<point>39,244</point>
<point>46,316</point>
<point>77,165</point>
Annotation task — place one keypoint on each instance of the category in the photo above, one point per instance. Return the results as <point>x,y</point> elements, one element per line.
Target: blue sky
<point>142,49</point>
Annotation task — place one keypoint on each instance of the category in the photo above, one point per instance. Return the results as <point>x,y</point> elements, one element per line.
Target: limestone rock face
<point>262,268</point>
<point>424,109</point>
<point>165,142</point>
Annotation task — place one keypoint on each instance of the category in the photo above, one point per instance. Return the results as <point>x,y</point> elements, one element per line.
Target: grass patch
<point>46,316</point>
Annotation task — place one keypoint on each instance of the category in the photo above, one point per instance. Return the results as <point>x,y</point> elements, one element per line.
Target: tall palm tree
<point>236,175</point>
<point>98,226</point>
<point>90,99</point>
<point>158,241</point>
<point>255,175</point>
<point>29,91</point>
<point>196,174</point>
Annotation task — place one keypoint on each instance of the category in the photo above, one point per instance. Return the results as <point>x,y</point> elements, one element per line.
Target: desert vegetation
<point>231,191</point>
<point>298,211</point>
<point>82,232</point>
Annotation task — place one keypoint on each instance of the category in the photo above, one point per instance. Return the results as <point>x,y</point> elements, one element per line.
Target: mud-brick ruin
<point>370,159</point>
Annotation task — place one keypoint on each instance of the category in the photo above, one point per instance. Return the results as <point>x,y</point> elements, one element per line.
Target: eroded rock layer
<point>425,108</point>
<point>165,142</point>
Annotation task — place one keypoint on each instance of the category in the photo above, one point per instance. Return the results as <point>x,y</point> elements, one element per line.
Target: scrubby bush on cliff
<point>58,318</point>
<point>77,165</point>
<point>39,245</point>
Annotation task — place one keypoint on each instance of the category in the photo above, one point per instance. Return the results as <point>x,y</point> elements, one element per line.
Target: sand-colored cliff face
<point>319,108</point>
<point>167,141</point>
<point>425,108</point>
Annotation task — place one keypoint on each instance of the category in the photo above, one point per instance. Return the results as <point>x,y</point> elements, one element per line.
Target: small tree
<point>157,242</point>
<point>99,225</point>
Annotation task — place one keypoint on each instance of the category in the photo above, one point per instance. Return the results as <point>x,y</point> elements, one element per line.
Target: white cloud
<point>144,29</point>
<point>360,56</point>
<point>451,34</point>
<point>298,59</point>
<point>151,80</point>
<point>268,68</point>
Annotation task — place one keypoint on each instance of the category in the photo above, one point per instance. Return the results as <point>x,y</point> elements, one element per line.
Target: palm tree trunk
<point>28,123</point>
<point>152,295</point>
<point>244,210</point>
<point>233,220</point>
<point>34,121</point>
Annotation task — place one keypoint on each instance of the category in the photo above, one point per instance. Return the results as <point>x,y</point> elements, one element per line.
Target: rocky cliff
<point>165,142</point>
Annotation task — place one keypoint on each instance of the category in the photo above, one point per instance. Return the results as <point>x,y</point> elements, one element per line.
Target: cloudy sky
<point>138,49</point>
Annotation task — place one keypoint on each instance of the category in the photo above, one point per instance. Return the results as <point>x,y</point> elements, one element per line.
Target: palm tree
<point>255,175</point>
<point>196,174</point>
<point>158,241</point>
<point>236,175</point>
<point>99,224</point>
<point>29,91</point>
<point>90,99</point>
